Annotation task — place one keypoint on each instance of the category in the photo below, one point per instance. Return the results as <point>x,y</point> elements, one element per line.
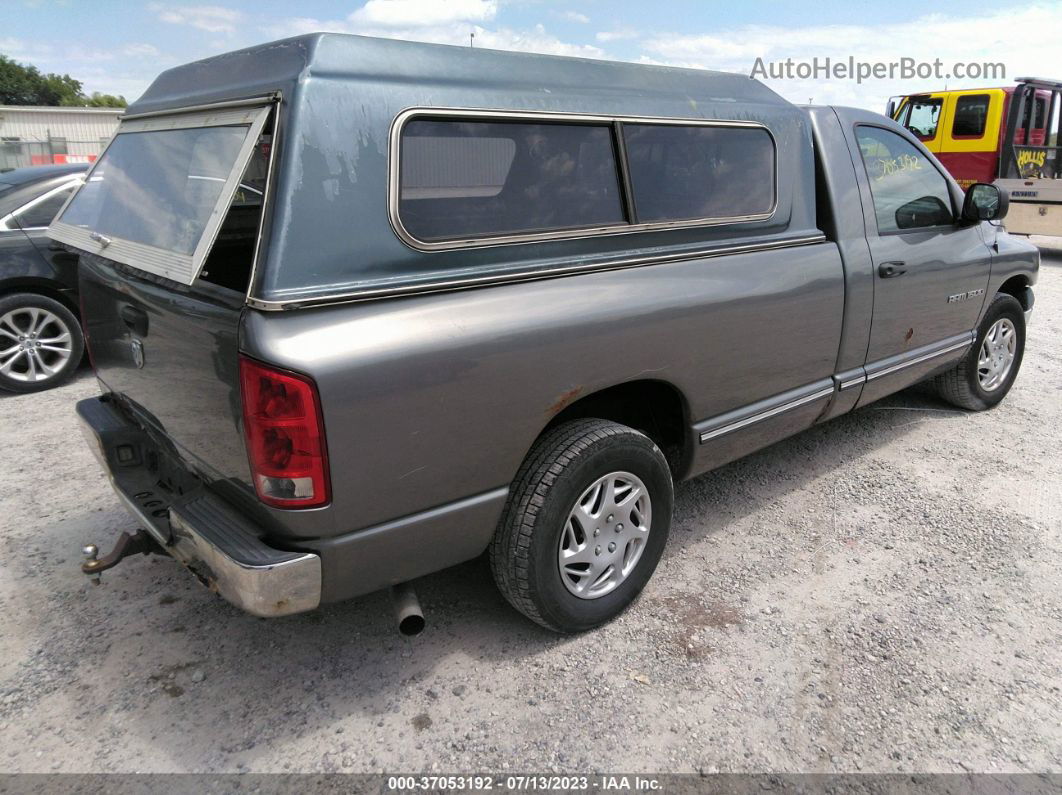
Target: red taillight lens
<point>285,436</point>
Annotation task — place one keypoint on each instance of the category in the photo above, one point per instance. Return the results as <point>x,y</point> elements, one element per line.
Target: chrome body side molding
<point>764,410</point>
<point>894,364</point>
<point>772,407</point>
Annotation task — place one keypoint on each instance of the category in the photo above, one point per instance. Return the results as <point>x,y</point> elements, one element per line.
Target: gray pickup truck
<point>361,310</point>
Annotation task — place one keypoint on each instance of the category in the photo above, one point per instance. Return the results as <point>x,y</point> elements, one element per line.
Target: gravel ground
<point>880,593</point>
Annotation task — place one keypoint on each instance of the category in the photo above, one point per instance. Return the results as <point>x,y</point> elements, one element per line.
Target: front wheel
<point>586,523</point>
<point>40,342</point>
<point>986,373</point>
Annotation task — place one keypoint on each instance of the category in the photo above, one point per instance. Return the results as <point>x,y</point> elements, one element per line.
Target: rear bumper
<point>196,526</point>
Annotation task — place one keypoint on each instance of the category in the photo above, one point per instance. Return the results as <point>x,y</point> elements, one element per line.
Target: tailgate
<point>167,222</point>
<point>173,356</point>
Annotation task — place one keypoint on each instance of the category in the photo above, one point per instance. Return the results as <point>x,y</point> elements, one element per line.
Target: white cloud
<point>616,35</point>
<point>440,23</point>
<point>21,50</point>
<point>991,37</point>
<point>212,19</point>
<point>422,13</point>
<point>140,50</point>
<point>534,40</point>
<point>574,16</point>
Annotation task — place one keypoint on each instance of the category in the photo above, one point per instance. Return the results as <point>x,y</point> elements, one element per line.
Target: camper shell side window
<point>468,178</point>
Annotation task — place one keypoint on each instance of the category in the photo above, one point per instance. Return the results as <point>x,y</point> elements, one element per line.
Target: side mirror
<point>890,109</point>
<point>985,203</point>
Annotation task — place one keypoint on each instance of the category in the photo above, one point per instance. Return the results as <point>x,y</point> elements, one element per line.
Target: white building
<point>31,135</point>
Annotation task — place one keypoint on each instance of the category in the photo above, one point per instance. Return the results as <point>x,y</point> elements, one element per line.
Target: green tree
<point>19,85</point>
<point>98,100</point>
<point>24,84</point>
<point>60,90</point>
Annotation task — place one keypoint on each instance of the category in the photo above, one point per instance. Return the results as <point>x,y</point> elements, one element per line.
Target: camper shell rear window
<point>157,197</point>
<point>468,178</point>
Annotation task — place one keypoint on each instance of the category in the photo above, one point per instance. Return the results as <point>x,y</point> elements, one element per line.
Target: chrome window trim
<point>444,113</point>
<point>8,223</point>
<point>767,414</point>
<point>268,189</point>
<point>182,268</point>
<point>211,106</point>
<point>490,280</point>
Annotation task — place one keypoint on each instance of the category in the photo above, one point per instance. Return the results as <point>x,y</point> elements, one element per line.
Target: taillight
<point>285,436</point>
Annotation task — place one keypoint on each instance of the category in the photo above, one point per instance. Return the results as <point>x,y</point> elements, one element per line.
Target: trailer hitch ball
<point>89,566</point>
<point>140,543</point>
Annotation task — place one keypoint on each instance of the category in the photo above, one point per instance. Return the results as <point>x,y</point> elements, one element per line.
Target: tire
<point>964,385</point>
<point>536,527</point>
<point>30,319</point>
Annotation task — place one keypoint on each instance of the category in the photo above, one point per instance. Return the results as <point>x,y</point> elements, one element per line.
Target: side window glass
<point>908,191</point>
<point>42,213</point>
<point>683,173</point>
<point>922,117</point>
<point>971,115</point>
<point>480,179</point>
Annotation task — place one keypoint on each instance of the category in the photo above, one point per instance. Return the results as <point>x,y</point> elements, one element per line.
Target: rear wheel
<point>585,526</point>
<point>986,373</point>
<point>40,342</point>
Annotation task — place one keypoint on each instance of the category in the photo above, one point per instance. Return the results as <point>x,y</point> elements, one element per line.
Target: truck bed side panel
<point>437,398</point>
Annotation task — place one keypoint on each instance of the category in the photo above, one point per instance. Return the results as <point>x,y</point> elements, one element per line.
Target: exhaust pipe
<point>407,609</point>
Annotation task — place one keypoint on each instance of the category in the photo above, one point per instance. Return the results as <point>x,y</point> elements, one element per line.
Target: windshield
<point>158,188</point>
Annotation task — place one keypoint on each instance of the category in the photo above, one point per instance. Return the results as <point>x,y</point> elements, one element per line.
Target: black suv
<point>40,337</point>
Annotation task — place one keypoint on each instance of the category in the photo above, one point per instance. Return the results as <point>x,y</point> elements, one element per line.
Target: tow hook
<point>140,543</point>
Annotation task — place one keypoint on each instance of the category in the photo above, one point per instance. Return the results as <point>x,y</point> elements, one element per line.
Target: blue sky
<point>118,47</point>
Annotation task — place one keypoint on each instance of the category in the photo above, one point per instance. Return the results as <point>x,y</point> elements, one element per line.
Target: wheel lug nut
<point>597,532</point>
<point>619,528</point>
<point>610,519</point>
<point>597,550</point>
<point>612,547</point>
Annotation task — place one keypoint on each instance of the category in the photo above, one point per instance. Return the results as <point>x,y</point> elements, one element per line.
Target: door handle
<point>135,319</point>
<point>888,270</point>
